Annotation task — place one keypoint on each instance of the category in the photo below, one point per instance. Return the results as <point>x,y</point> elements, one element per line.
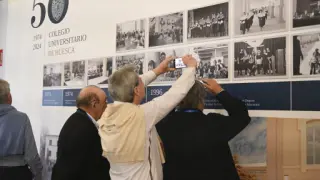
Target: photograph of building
<point>306,13</point>
<point>155,58</point>
<point>50,154</point>
<point>98,70</point>
<point>213,60</point>
<point>137,60</point>
<point>306,54</point>
<point>259,16</point>
<point>165,30</point>
<point>260,58</point>
<point>208,22</point>
<point>52,75</point>
<point>131,35</point>
<point>74,73</point>
<point>275,148</point>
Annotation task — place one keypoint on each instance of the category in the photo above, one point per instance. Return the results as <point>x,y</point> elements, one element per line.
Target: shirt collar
<point>93,120</point>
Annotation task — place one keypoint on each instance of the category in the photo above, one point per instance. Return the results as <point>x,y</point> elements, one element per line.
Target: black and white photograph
<point>306,13</point>
<point>48,153</point>
<point>131,35</point>
<point>208,22</point>
<point>260,58</point>
<point>74,73</point>
<point>52,75</point>
<point>99,70</point>
<point>259,16</point>
<point>155,58</point>
<point>306,55</point>
<point>137,60</point>
<point>165,30</point>
<point>213,60</point>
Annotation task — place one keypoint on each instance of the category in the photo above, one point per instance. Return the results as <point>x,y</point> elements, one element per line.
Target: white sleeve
<point>159,107</point>
<point>148,77</point>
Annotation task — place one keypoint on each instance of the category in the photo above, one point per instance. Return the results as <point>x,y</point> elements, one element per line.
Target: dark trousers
<point>15,173</point>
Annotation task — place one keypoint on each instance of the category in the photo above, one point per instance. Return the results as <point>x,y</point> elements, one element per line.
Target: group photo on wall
<point>137,60</point>
<point>208,22</point>
<point>165,30</point>
<point>260,58</point>
<point>52,75</point>
<point>155,58</point>
<point>131,35</point>
<point>257,16</point>
<point>306,13</point>
<point>213,61</point>
<point>306,54</point>
<point>99,70</point>
<point>74,73</point>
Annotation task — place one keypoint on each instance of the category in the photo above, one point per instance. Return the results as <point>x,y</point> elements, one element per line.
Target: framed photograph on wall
<point>131,35</point>
<point>136,59</point>
<point>165,30</point>
<point>52,75</point>
<point>99,70</point>
<point>258,58</point>
<point>213,60</point>
<point>208,22</point>
<point>305,13</point>
<point>74,73</point>
<point>155,58</point>
<point>259,16</point>
<point>306,55</point>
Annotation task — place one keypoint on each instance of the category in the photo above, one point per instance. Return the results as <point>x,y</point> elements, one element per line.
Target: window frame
<point>304,143</point>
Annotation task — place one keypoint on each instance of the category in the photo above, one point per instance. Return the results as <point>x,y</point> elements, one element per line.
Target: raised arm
<point>159,107</point>
<point>238,118</point>
<point>148,77</point>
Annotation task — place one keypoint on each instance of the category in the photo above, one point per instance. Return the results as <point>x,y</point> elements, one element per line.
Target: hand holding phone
<point>178,63</point>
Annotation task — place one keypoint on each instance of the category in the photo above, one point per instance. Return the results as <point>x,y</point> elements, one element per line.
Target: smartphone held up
<point>178,63</point>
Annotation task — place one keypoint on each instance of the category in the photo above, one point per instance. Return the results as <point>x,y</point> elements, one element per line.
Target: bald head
<point>93,100</point>
<point>89,94</point>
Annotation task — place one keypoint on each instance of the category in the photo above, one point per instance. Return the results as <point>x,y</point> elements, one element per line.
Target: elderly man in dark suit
<point>79,155</point>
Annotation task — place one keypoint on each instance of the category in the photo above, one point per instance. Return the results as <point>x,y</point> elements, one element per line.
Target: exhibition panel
<point>264,52</point>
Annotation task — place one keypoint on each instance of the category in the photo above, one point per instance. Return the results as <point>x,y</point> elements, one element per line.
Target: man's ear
<point>9,99</point>
<point>136,91</point>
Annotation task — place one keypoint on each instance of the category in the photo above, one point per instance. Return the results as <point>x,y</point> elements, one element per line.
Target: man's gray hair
<point>194,97</point>
<point>4,91</point>
<point>122,83</point>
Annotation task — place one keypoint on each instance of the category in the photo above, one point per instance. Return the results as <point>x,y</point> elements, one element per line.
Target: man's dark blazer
<point>79,155</point>
<point>196,145</point>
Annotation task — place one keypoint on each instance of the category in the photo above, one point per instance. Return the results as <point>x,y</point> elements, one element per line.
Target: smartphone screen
<point>178,63</point>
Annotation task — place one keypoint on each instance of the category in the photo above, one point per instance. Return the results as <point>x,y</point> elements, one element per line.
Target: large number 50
<point>56,15</point>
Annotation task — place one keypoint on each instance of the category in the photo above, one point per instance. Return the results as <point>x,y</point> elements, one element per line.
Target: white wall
<point>3,29</point>
<point>97,19</point>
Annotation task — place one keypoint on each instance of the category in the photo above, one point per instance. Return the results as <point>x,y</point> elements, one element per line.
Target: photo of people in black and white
<point>306,54</point>
<point>306,13</point>
<point>259,16</point>
<point>74,73</point>
<point>164,30</point>
<point>52,75</point>
<point>208,22</point>
<point>260,58</point>
<point>131,35</point>
<point>136,60</point>
<point>213,61</point>
<point>98,71</point>
<point>155,58</point>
